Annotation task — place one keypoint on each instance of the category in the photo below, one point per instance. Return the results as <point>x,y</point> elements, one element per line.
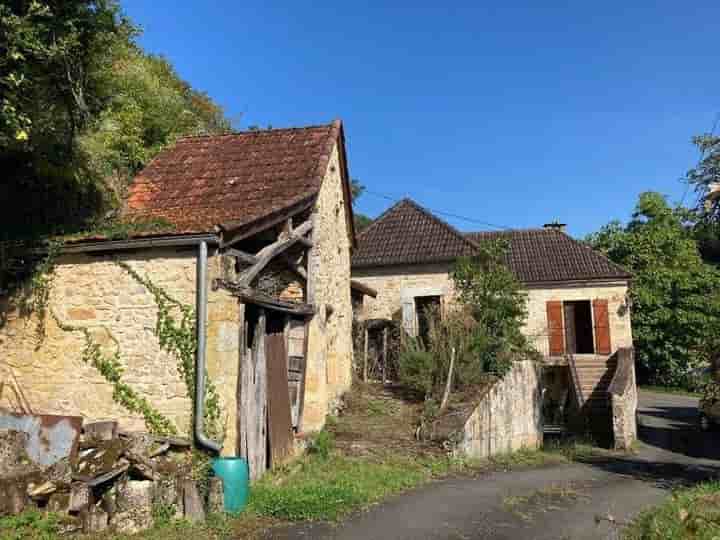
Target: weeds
<point>688,513</point>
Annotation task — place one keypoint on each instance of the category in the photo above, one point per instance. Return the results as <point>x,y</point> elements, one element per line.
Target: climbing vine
<point>178,338</point>
<point>110,367</point>
<point>38,294</point>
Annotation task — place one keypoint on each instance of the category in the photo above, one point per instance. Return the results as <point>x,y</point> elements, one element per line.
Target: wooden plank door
<point>279,420</point>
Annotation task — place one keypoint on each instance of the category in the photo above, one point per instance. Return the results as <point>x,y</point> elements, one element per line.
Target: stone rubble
<point>114,484</point>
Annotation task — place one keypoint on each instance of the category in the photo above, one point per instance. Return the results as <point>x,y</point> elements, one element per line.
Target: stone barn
<point>248,258</point>
<point>577,303</point>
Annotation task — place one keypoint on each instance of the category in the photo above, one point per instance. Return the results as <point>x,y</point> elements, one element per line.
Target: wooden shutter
<point>408,316</point>
<point>296,366</point>
<point>555,328</point>
<point>602,326</point>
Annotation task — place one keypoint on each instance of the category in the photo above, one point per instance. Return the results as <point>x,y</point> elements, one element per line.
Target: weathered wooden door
<point>279,421</point>
<point>296,366</point>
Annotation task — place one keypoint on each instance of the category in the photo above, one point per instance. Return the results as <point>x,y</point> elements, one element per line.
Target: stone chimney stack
<point>555,225</point>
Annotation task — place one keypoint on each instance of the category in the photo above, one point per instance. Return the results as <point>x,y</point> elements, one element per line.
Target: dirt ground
<point>377,421</point>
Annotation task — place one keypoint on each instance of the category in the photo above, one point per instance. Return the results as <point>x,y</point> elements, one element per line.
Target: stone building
<point>577,304</point>
<point>252,232</point>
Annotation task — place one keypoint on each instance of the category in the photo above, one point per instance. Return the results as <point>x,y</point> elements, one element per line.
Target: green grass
<point>670,390</point>
<point>692,513</point>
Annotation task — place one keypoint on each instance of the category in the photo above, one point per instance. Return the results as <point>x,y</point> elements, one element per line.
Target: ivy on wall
<point>110,367</point>
<point>178,338</point>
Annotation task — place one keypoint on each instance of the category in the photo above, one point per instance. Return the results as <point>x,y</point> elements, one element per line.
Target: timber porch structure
<point>577,308</point>
<point>258,243</point>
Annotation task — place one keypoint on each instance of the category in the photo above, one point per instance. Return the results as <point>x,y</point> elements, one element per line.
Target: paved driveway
<point>546,504</point>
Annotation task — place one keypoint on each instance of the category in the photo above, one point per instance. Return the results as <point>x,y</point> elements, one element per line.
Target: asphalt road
<point>562,502</point>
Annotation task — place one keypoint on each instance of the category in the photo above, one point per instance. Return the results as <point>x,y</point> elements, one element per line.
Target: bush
<point>484,329</point>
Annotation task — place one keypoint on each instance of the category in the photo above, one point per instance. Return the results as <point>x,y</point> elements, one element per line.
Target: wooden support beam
<point>297,268</point>
<point>365,356</point>
<point>251,296</point>
<point>242,256</point>
<point>266,254</point>
<point>362,288</point>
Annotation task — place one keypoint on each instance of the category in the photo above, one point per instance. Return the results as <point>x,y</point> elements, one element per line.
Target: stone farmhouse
<point>577,305</point>
<point>256,239</point>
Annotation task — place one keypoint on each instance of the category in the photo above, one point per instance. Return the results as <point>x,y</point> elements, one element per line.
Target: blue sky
<point>510,113</point>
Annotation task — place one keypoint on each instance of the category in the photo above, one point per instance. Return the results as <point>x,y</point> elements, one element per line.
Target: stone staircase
<point>591,377</point>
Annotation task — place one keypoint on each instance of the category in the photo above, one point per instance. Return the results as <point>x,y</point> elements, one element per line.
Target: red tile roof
<point>546,255</point>
<point>410,234</point>
<point>232,180</point>
<point>407,233</point>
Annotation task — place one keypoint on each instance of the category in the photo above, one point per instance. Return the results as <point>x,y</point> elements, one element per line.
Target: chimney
<point>555,225</point>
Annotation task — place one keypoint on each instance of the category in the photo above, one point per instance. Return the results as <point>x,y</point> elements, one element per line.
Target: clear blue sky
<point>513,113</point>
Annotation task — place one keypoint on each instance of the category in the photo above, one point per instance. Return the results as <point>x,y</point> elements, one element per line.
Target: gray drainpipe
<point>201,308</point>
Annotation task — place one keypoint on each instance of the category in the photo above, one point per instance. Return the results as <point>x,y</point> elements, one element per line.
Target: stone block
<point>13,496</point>
<point>134,507</point>
<point>216,498</point>
<point>81,314</point>
<point>193,505</point>
<point>94,520</point>
<point>80,497</point>
<point>13,457</point>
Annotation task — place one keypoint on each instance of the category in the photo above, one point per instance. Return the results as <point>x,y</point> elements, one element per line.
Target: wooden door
<point>279,421</point>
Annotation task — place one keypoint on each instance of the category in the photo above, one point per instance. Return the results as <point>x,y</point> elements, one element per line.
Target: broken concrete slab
<point>41,491</point>
<point>50,437</point>
<point>122,466</point>
<point>99,461</point>
<point>101,431</point>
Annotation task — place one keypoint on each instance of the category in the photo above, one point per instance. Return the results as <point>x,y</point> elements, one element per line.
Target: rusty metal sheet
<point>50,437</point>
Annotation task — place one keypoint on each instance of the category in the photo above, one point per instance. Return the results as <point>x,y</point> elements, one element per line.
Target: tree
<point>82,108</point>
<point>675,306</point>
<point>482,331</point>
<point>706,176</point>
<point>356,190</point>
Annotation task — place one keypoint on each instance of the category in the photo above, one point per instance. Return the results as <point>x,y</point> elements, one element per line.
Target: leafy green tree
<point>706,176</point>
<point>82,108</point>
<point>675,305</point>
<point>497,303</point>
<point>356,190</point>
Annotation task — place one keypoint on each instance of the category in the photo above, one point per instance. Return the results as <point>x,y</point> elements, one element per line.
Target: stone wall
<point>96,293</point>
<point>330,353</point>
<point>394,282</point>
<point>536,326</point>
<point>624,397</point>
<point>509,417</point>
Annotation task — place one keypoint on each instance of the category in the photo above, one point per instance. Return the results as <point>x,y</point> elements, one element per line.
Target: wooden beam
<point>362,288</point>
<point>297,268</point>
<point>251,296</point>
<point>242,256</point>
<point>266,254</point>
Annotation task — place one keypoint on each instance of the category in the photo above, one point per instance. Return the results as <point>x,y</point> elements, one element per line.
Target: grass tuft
<point>691,513</point>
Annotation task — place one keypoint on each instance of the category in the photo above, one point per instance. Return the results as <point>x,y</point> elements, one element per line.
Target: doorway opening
<point>578,327</point>
<point>426,308</point>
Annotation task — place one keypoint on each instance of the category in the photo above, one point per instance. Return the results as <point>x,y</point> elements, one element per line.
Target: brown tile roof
<point>233,180</point>
<point>545,255</point>
<point>409,234</point>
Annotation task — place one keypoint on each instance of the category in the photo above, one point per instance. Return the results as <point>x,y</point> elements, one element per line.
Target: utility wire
<point>441,212</point>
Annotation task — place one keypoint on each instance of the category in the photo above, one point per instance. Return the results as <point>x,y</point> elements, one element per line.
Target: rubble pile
<point>109,480</point>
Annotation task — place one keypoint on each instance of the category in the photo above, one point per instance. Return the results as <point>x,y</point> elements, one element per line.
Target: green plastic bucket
<point>236,484</point>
